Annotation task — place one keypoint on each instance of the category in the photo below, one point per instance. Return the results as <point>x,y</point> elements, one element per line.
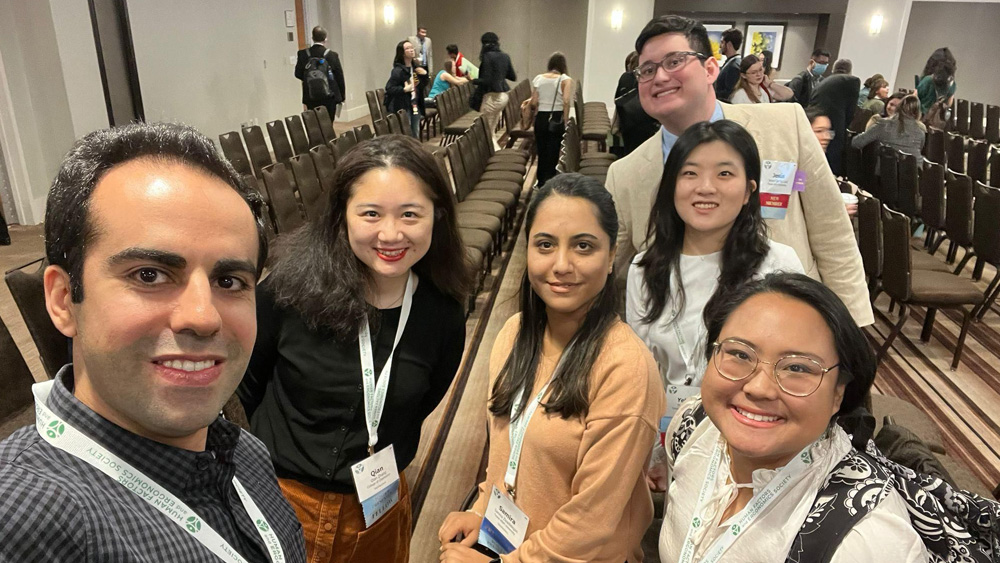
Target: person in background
<point>361,332</point>
<point>551,98</point>
<point>823,129</point>
<point>837,97</point>
<point>938,79</point>
<point>405,88</point>
<point>631,121</point>
<point>767,57</point>
<point>154,244</point>
<point>445,79</point>
<point>878,93</point>
<point>729,75</point>
<point>574,390</point>
<point>327,63</point>
<point>495,69</point>
<point>803,83</point>
<point>463,66</point>
<point>754,87</point>
<point>903,131</point>
<point>707,237</point>
<point>891,105</point>
<point>866,88</point>
<point>749,457</point>
<point>423,50</point>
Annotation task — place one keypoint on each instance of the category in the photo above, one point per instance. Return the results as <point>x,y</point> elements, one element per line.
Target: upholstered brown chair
<point>955,147</point>
<point>932,204</point>
<point>915,288</point>
<point>287,216</point>
<point>993,124</point>
<point>313,129</point>
<point>235,153</point>
<point>27,289</point>
<point>307,182</point>
<point>300,142</point>
<point>986,240</point>
<point>958,216</point>
<point>373,107</point>
<point>380,98</point>
<point>345,143</point>
<point>16,401</point>
<point>381,127</point>
<point>934,148</point>
<point>326,166</point>
<point>961,118</point>
<point>908,182</point>
<point>279,141</point>
<point>977,120</point>
<point>979,158</point>
<point>888,169</point>
<point>260,155</point>
<point>325,123</point>
<point>363,133</point>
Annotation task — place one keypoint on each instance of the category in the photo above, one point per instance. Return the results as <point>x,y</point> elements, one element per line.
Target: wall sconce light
<point>389,14</point>
<point>875,27</point>
<point>616,19</point>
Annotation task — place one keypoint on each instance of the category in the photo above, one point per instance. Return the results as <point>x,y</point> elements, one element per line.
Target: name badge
<point>676,394</point>
<point>777,181</point>
<point>377,482</point>
<point>504,525</point>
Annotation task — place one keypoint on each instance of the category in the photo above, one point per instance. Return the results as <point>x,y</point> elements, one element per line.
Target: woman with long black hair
<point>574,400</point>
<point>360,330</point>
<point>405,88</point>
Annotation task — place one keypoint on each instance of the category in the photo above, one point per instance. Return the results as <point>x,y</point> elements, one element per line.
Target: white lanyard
<point>375,394</point>
<point>750,512</point>
<point>62,435</point>
<point>518,428</point>
<point>686,355</point>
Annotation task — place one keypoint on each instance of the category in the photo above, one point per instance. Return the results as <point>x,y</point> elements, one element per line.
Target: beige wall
<point>529,30</point>
<point>969,30</point>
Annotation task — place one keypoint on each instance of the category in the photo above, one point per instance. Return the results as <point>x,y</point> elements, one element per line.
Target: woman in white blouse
<point>758,463</point>
<point>706,236</point>
<point>755,86</point>
<point>551,98</point>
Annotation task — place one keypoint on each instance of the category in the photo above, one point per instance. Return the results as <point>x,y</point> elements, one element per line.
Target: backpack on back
<point>317,81</point>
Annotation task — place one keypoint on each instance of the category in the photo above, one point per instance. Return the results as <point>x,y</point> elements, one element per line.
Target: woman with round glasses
<point>755,86</point>
<point>751,454</point>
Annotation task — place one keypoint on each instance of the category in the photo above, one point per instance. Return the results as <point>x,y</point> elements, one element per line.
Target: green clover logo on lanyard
<point>55,429</point>
<point>736,529</point>
<point>696,522</point>
<point>193,524</point>
<point>262,525</point>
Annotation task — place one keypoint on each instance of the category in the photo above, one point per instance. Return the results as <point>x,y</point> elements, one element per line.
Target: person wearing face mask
<point>803,83</point>
<point>361,331</point>
<point>751,455</point>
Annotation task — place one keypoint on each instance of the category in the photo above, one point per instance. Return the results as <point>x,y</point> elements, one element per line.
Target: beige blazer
<point>816,225</point>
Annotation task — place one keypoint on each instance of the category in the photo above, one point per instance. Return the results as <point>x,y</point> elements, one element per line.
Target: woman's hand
<point>458,553</point>
<point>421,70</point>
<point>656,477</point>
<point>464,523</point>
<point>408,87</point>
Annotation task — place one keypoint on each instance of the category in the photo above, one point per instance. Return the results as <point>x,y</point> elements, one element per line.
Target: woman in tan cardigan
<point>586,398</point>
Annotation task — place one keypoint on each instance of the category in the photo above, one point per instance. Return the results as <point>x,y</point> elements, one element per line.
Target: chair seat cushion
<point>508,166</point>
<point>504,197</point>
<point>924,261</point>
<point>480,240</point>
<point>604,156</point>
<point>493,208</point>
<point>522,153</point>
<point>479,221</point>
<point>502,175</point>
<point>512,187</point>
<point>943,288</point>
<point>509,158</point>
<point>475,258</point>
<point>593,169</point>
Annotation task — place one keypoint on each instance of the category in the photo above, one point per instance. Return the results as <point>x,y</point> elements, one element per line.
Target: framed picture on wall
<point>765,37</point>
<point>715,36</point>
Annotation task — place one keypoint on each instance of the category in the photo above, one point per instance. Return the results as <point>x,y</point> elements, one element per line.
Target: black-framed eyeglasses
<point>799,376</point>
<point>672,62</point>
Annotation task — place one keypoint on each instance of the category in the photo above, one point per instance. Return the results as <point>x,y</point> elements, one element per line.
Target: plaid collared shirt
<point>56,507</point>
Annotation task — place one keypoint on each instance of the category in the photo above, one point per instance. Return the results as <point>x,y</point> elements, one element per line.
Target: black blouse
<point>304,397</point>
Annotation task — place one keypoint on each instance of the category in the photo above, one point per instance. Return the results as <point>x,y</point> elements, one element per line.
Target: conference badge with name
<point>777,181</point>
<point>676,395</point>
<point>377,482</point>
<point>504,525</point>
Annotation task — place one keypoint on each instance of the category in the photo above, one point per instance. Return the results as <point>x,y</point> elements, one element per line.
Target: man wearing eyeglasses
<point>676,75</point>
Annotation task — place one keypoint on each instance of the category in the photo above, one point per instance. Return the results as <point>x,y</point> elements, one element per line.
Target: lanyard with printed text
<point>375,394</point>
<point>60,434</point>
<point>750,512</point>
<point>687,356</point>
<point>518,428</point>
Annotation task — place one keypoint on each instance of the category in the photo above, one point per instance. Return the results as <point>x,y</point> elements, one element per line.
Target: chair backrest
<point>888,190</point>
<point>861,117</point>
<point>458,170</point>
<point>870,235</point>
<point>313,129</point>
<point>350,134</point>
<point>977,120</point>
<point>958,213</point>
<point>381,127</point>
<point>345,143</point>
<point>869,159</point>
<point>445,99</point>
<point>380,98</point>
<point>232,149</point>
<point>985,234</point>
<point>404,121</point>
<point>15,378</point>
<point>373,108</point>
<point>307,181</point>
<point>936,146</point>
<point>326,166</point>
<point>363,133</point>
<point>995,168</point>
<point>993,124</point>
<point>297,133</point>
<point>325,123</point>
<point>279,140</point>
<point>484,138</point>
<point>956,153</point>
<point>932,195</point>
<point>470,160</point>
<point>260,156</point>
<point>852,161</point>
<point>28,290</point>
<point>287,216</point>
<point>961,118</point>
<point>908,182</point>
<point>979,158</point>
<point>896,260</point>
<point>392,124</point>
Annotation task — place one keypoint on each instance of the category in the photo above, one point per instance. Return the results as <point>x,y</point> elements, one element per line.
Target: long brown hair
<point>745,64</point>
<point>909,108</point>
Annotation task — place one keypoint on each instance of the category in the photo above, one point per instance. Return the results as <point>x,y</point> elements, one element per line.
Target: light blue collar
<point>669,138</point>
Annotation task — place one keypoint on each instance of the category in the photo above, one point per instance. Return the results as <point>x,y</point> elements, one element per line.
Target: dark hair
<point>400,58</point>
<point>569,395</point>
<point>420,27</point>
<point>768,58</point>
<point>893,96</point>
<point>875,86</point>
<point>941,65</point>
<point>872,80</point>
<point>746,244</point>
<point>452,49</point>
<point>843,66</point>
<point>909,108</point>
<point>820,52</point>
<point>318,275</point>
<point>490,42</point>
<point>732,36</point>
<point>69,228</point>
<point>745,64</point>
<point>857,361</point>
<point>449,66</point>
<point>815,112</point>
<point>631,61</point>
<point>319,34</point>
<point>691,29</point>
<point>557,62</point>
